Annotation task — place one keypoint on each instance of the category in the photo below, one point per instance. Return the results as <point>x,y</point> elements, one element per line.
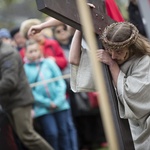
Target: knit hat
<point>4,33</point>
<point>14,31</point>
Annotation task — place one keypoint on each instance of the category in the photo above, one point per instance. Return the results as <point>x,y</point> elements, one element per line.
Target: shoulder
<point>139,59</point>
<point>7,50</point>
<point>136,63</point>
<point>144,59</point>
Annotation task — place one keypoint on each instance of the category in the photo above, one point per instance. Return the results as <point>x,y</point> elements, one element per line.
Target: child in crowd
<point>51,106</point>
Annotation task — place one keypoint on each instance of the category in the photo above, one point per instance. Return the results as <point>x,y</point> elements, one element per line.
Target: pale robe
<point>133,90</point>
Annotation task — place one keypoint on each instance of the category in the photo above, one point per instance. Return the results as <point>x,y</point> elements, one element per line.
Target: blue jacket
<point>50,92</point>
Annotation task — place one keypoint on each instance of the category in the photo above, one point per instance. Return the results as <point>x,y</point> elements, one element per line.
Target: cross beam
<point>70,16</point>
<point>66,11</point>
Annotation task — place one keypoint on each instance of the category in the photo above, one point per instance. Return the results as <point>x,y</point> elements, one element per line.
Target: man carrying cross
<point>47,10</point>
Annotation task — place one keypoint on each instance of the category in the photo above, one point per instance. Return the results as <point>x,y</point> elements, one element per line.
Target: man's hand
<point>104,57</point>
<point>34,30</point>
<point>91,5</point>
<point>53,106</point>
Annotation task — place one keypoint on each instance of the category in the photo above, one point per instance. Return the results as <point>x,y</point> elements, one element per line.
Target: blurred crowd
<point>58,113</point>
<point>45,56</point>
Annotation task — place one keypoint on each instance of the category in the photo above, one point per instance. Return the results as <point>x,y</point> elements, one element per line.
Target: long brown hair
<point>141,46</point>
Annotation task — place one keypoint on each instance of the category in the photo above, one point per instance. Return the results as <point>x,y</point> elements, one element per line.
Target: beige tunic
<point>133,88</point>
<point>82,75</point>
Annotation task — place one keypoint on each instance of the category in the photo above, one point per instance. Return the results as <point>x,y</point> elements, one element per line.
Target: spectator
<point>7,137</point>
<point>5,36</point>
<point>52,23</point>
<point>18,38</point>
<point>16,98</point>
<point>63,36</point>
<point>51,106</point>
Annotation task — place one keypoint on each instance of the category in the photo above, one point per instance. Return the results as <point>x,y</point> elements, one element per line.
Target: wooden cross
<point>66,11</point>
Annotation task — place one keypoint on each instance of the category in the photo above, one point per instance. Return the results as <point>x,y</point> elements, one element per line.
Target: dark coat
<point>14,87</point>
<point>135,18</point>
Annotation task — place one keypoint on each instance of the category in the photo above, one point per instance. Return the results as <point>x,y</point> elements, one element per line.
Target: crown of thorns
<point>119,45</point>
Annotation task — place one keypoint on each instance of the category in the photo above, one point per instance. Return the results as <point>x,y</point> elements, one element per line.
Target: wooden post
<point>105,108</point>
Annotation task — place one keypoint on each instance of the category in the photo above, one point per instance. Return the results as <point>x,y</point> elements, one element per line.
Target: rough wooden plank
<point>55,8</point>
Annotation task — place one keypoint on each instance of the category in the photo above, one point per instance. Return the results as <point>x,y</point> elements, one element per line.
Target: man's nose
<point>114,55</point>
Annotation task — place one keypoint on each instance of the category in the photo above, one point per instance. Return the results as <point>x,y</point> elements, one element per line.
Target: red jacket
<point>52,48</point>
<point>113,11</point>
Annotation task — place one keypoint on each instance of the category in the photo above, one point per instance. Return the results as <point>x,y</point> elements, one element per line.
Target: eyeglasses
<point>59,31</point>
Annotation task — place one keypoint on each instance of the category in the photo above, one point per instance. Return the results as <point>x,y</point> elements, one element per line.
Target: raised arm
<point>38,28</point>
<point>75,50</point>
